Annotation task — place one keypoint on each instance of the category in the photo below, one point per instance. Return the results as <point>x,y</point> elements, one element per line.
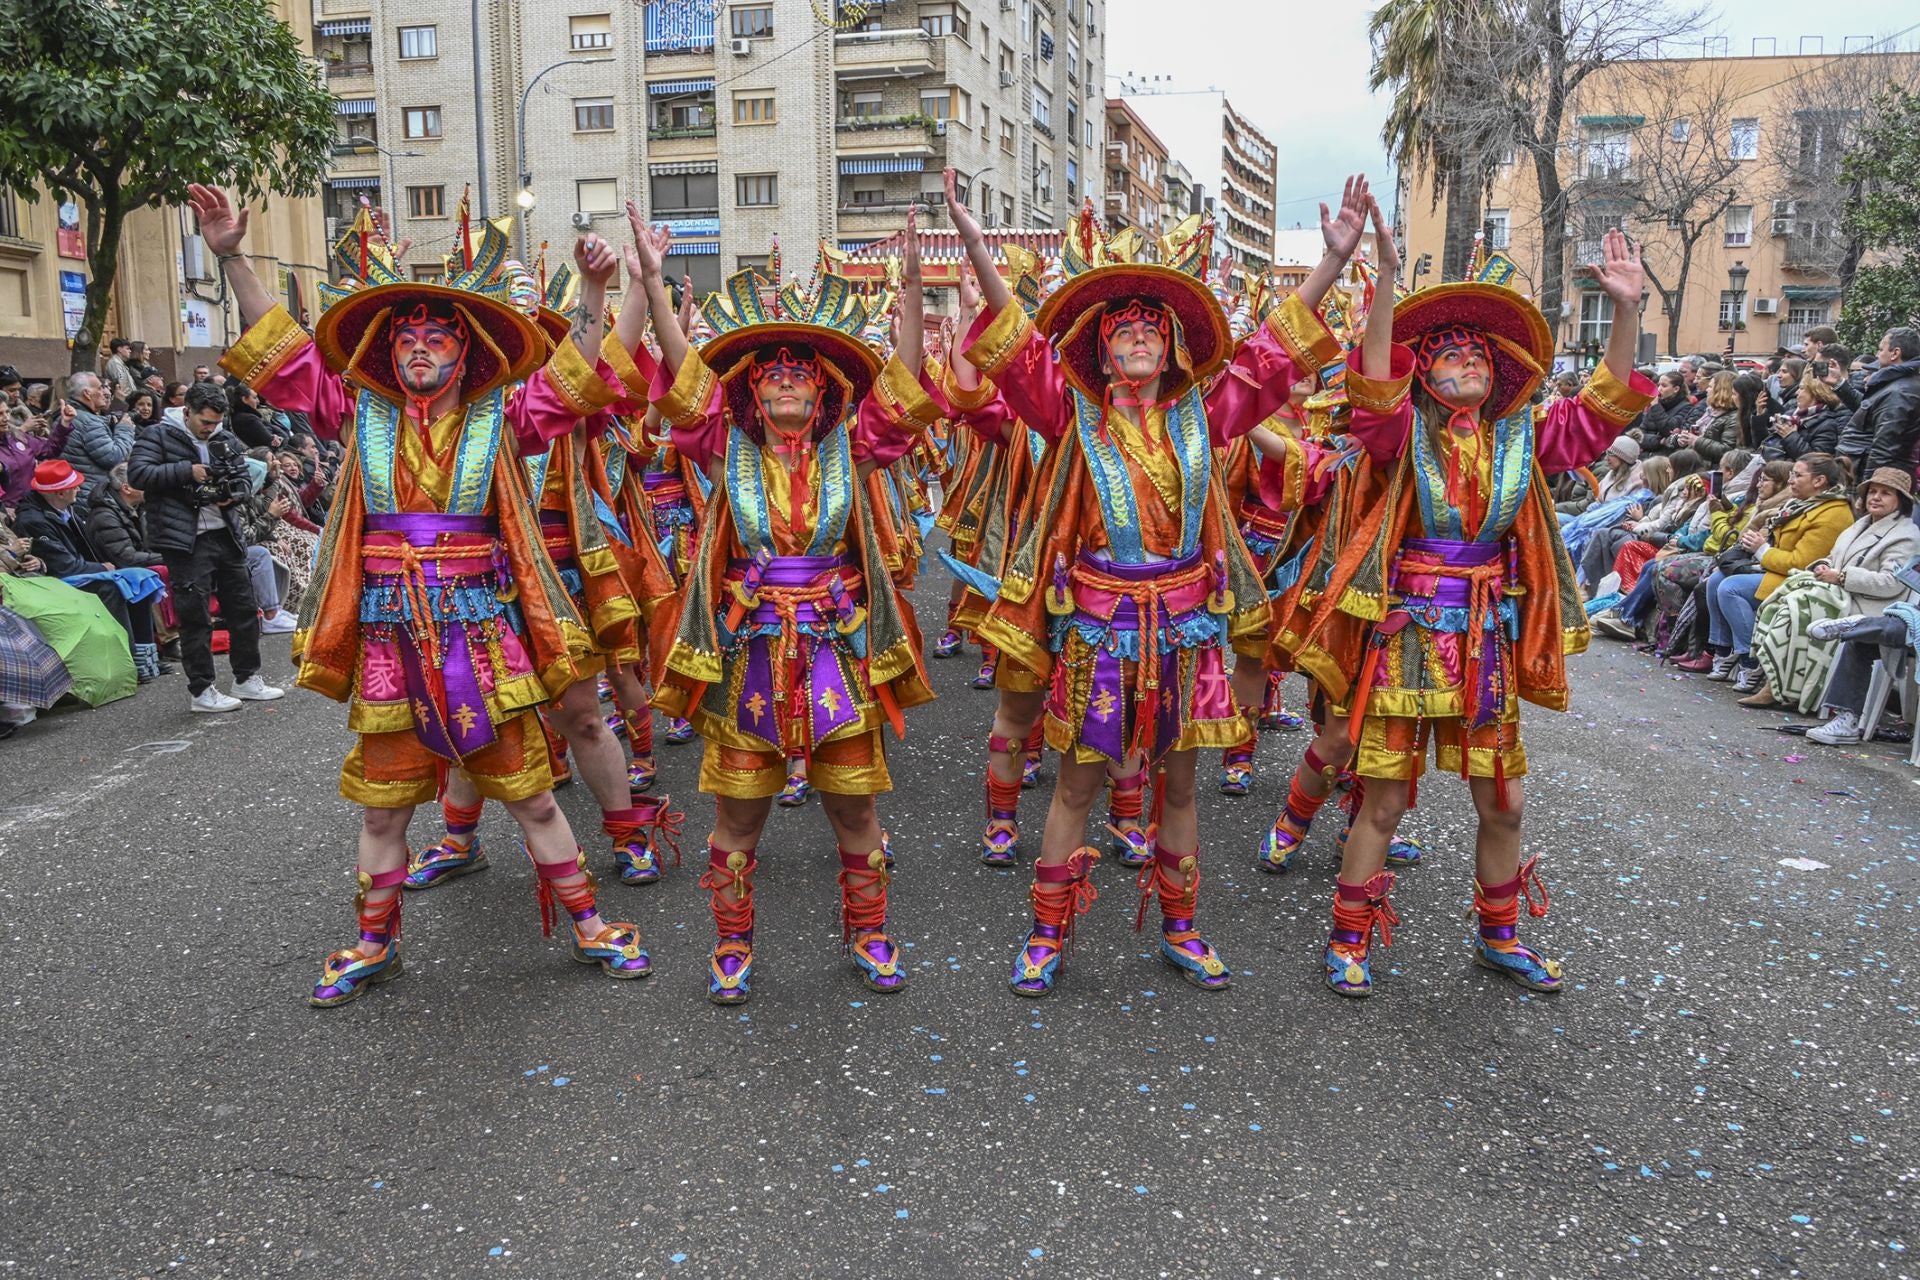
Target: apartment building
<point>167,290</point>
<point>733,124</point>
<point>1136,172</point>
<point>1231,161</point>
<point>1738,151</point>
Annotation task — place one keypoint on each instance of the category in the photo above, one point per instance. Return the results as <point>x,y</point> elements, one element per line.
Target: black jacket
<point>1659,420</point>
<point>1886,426</point>
<point>118,533</point>
<point>1818,432</point>
<point>162,464</point>
<point>62,545</point>
<point>253,429</point>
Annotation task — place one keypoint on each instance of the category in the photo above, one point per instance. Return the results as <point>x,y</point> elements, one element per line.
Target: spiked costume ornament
<point>436,614</point>
<point>1449,596</point>
<point>792,641</point>
<point>1128,582</point>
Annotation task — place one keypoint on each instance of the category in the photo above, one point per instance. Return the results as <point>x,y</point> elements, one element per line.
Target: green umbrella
<point>77,626</point>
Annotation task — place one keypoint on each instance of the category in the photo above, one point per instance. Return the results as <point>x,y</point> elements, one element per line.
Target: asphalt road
<point>1726,1089</point>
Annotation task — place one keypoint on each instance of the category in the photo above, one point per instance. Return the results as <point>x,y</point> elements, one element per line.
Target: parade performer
<point>791,637</point>
<point>1129,582</point>
<point>435,613</point>
<point>1453,597</point>
<point>615,580</point>
<point>985,528</point>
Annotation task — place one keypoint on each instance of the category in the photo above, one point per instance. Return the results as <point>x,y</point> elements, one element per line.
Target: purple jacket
<point>20,454</point>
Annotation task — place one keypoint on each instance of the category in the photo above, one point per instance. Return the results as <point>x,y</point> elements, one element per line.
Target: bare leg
<point>383,849</point>
<point>1075,789</point>
<point>596,752</point>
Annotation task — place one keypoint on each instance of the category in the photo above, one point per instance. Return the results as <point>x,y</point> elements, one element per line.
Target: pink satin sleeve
<point>882,437</point>
<point>1031,382</point>
<point>993,421</point>
<point>539,414</point>
<point>1255,384</point>
<point>1271,480</point>
<point>700,440</point>
<point>1573,433</point>
<point>1384,433</point>
<point>304,384</point>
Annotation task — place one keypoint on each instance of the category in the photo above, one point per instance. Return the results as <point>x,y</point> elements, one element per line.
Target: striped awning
<point>347,27</point>
<point>884,164</point>
<point>853,246</point>
<point>353,107</point>
<point>678,167</point>
<point>656,88</point>
<point>352,183</point>
<point>1810,292</point>
<point>695,248</point>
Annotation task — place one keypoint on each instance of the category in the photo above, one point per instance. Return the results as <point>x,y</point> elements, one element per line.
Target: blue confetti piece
<point>936,1092</point>
<point>677,1258</point>
<point>495,1252</point>
<point>378,1185</point>
<point>862,1163</point>
<point>1146,1088</point>
<point>1036,1253</point>
<point>1253,1128</point>
<point>882,1189</point>
<point>1802,1219</point>
<point>1139,1191</point>
<point>561,1082</point>
<point>899,1213</point>
<point>1029,1098</point>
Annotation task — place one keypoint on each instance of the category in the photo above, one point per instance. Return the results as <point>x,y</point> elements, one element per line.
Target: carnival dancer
<point>616,581</point>
<point>1453,597</point>
<point>791,636</point>
<point>985,529</point>
<point>1128,552</point>
<point>429,534</point>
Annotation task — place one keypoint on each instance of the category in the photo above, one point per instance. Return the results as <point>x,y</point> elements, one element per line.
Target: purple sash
<point>830,701</point>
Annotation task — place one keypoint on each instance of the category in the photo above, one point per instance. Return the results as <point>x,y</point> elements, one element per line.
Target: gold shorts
<point>1396,747</point>
<point>396,771</point>
<point>855,765</point>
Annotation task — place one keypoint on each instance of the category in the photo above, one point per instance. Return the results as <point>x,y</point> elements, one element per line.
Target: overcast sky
<point>1298,70</point>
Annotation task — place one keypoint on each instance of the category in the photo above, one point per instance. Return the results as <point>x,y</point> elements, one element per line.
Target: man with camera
<point>197,486</point>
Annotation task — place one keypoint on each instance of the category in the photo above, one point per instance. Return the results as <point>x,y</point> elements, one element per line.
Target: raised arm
<point>1341,233</point>
<point>646,260</point>
<point>995,289</point>
<point>1376,348</point>
<point>1576,431</point>
<point>911,348</point>
<point>224,232</point>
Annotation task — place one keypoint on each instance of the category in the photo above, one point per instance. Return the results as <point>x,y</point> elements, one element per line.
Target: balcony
<point>354,162</point>
<point>692,143</point>
<point>341,76</point>
<point>860,134</point>
<point>880,218</point>
<point>670,132</point>
<point>876,55</point>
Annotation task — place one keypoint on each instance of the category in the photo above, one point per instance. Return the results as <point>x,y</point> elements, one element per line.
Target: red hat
<point>56,476</point>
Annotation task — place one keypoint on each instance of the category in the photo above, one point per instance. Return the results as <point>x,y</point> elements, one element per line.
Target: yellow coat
<point>1800,541</point>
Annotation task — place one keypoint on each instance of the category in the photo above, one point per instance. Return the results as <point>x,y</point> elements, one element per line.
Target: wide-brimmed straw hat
<point>1520,338</point>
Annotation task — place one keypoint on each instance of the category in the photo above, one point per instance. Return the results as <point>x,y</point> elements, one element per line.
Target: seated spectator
<point>245,420</point>
<point>1784,385</point>
<point>281,521</point>
<point>1622,484</point>
<point>1718,427</point>
<point>1756,409</point>
<point>12,397</point>
<point>1859,577</point>
<point>1750,494</point>
<point>1680,502</point>
<point>1862,637</point>
<point>26,442</point>
<point>60,541</point>
<point>1812,427</point>
<point>1672,411</point>
<point>1803,531</point>
<point>99,440</point>
<point>1572,492</point>
<point>1596,561</point>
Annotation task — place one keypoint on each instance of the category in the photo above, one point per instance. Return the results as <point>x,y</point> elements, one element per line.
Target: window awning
<point>353,107</point>
<point>352,183</point>
<point>347,27</point>
<point>656,88</point>
<point>1631,122</point>
<point>854,246</point>
<point>695,248</point>
<point>1810,292</point>
<point>683,166</point>
<point>884,164</point>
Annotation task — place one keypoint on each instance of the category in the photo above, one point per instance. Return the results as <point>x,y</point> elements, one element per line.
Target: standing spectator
<point>175,397</point>
<point>202,374</point>
<point>11,401</point>
<point>119,378</point>
<point>1817,340</point>
<point>25,446</point>
<point>1690,376</point>
<point>245,420</point>
<point>98,443</point>
<point>144,409</point>
<point>1883,429</point>
<point>197,487</point>
<point>1813,426</point>
<point>1672,411</point>
<point>1756,409</point>
<point>1834,368</point>
<point>291,536</point>
<point>137,365</point>
<point>61,543</point>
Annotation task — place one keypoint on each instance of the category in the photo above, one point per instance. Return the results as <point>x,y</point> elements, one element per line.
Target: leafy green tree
<point>1882,170</point>
<point>119,104</point>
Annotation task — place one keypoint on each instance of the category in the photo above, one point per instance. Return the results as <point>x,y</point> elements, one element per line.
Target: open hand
<point>1619,273</point>
<point>1386,254</point>
<point>910,277</point>
<point>223,230</point>
<point>1341,230</point>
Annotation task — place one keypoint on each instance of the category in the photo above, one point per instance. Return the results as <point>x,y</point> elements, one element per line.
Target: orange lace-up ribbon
<point>1061,903</point>
<point>863,894</point>
<point>1522,888</point>
<point>1177,901</point>
<point>665,826</point>
<point>1377,913</point>
<point>732,914</point>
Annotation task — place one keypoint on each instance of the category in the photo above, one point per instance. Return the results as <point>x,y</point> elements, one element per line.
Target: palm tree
<point>1426,129</point>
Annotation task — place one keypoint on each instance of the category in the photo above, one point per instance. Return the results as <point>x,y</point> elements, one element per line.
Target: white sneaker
<point>1748,679</point>
<point>1723,667</point>
<point>1610,624</point>
<point>1844,728</point>
<point>210,701</point>
<point>254,689</point>
<point>277,623</point>
<point>1833,628</point>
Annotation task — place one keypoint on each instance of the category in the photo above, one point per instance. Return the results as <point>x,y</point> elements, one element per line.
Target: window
<point>1609,152</point>
<point>754,107</point>
<point>429,272</point>
<point>1733,308</point>
<point>1743,143</point>
<point>752,23</point>
<point>1006,135</point>
<point>1823,137</point>
<point>1499,227</point>
<point>937,104</point>
<point>1073,60</point>
<point>865,106</point>
<point>756,190</point>
<point>754,262</point>
<point>419,42</point>
<point>683,115</point>
<point>596,195</point>
<point>591,31</point>
<point>356,131</point>
<point>426,202</point>
<point>422,122</point>
<point>1006,210</point>
<point>864,196</point>
<point>1739,225</point>
<point>1073,179</point>
<point>1042,106</point>
<point>680,194</point>
<point>944,20</point>
<point>704,268</point>
<point>593,115</point>
<point>1807,313</point>
<point>1073,121</point>
<point>1006,65</point>
<point>1682,130</point>
<point>1596,319</point>
<point>9,213</point>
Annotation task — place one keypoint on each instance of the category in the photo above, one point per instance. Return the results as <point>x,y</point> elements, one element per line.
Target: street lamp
<point>526,199</point>
<point>1737,290</point>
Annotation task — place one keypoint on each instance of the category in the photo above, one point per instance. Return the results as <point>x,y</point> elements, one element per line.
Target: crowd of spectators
<point>1755,525</point>
<point>147,523</point>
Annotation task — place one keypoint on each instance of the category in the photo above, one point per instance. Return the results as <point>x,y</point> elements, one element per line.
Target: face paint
<point>786,385</point>
<point>1456,366</point>
<point>429,351</point>
<point>1134,342</point>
